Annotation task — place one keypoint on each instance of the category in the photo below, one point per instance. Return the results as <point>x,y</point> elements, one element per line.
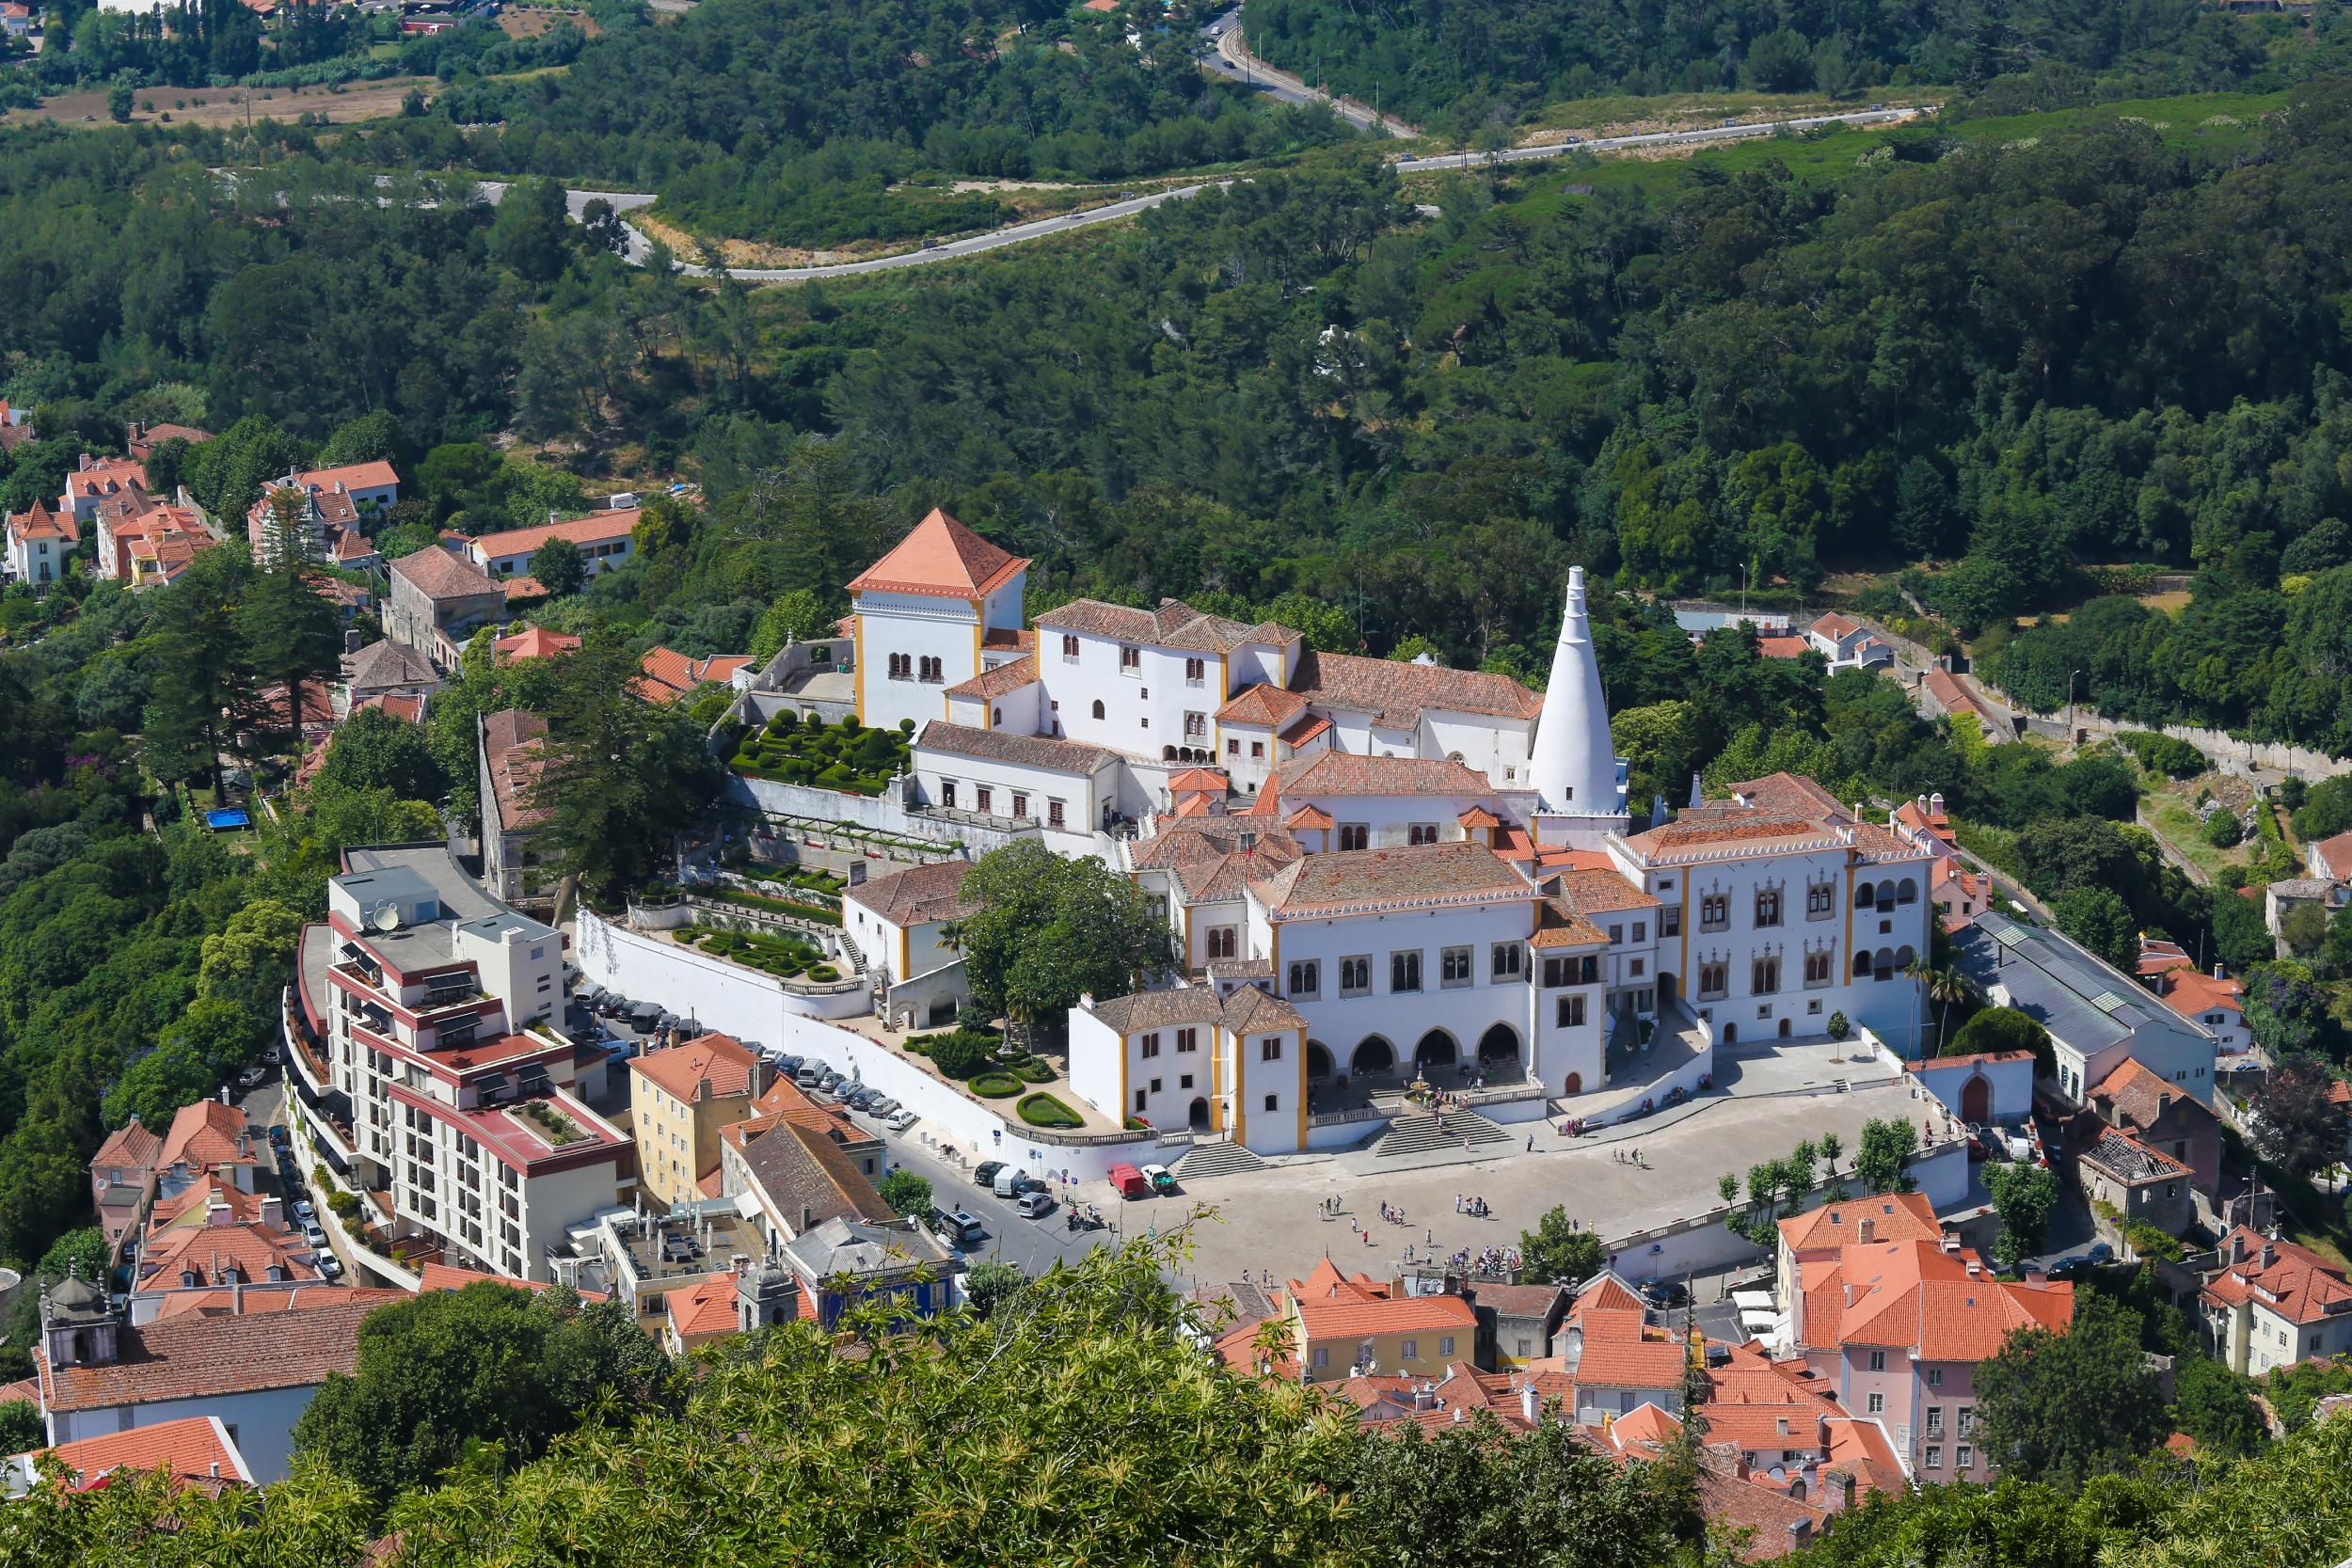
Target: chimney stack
<point>1935,804</point>
<point>2237,1247</point>
<point>1531,1408</point>
<point>2270,1254</point>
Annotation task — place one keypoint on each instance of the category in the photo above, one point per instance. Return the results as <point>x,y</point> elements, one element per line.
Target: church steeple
<point>1574,764</point>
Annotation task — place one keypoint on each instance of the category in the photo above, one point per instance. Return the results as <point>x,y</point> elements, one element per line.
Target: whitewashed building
<point>926,617</point>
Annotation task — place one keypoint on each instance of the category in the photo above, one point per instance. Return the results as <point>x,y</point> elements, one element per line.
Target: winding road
<point>1228,60</point>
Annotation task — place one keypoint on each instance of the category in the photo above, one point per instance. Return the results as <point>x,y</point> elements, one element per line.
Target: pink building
<point>1895,1329</point>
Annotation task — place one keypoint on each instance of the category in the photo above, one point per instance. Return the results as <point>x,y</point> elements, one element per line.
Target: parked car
<point>1130,1182</point>
<point>316,1237</point>
<point>277,1135</point>
<point>806,1077</point>
<point>957,1225</point>
<point>1163,1180</point>
<point>329,1266</point>
<point>1667,1292</point>
<point>1032,1206</point>
<point>984,1174</point>
<point>860,1098</point>
<point>789,1065</point>
<point>901,1119</point>
<point>882,1106</point>
<point>252,1078</point>
<point>273,1055</point>
<point>304,1211</point>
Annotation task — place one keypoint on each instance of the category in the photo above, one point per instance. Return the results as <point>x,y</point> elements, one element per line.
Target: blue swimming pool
<point>227,817</point>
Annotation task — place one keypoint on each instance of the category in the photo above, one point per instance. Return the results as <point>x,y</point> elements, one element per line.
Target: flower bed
<point>558,1128</point>
<point>1043,1110</point>
<point>794,876</point>
<point>845,756</point>
<point>786,957</point>
<point>994,1086</point>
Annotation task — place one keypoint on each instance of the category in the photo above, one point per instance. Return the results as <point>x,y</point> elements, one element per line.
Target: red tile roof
<point>1395,693</point>
<point>1370,881</point>
<point>1893,1217</point>
<point>209,1134</point>
<point>223,1254</point>
<point>351,476</point>
<point>2336,855</point>
<point>534,642</point>
<point>439,574</point>
<point>1003,680</point>
<point>720,1061</point>
<point>1783,647</point>
<point>1348,773</point>
<point>1262,704</point>
<point>193,1450</point>
<point>513,746</point>
<point>1914,1296</point>
<point>2295,1283</point>
<point>940,557</point>
<point>601,528</point>
<point>130,1147</point>
<point>706,1309</point>
<point>196,1357</point>
<point>917,896</point>
<point>671,674</point>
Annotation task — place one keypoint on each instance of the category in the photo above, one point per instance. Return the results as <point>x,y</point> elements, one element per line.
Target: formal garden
<point>786,957</point>
<point>845,756</point>
<point>980,1057</point>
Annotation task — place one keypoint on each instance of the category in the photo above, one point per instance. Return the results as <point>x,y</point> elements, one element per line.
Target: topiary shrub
<point>995,1085</point>
<point>2223,829</point>
<point>1035,1071</point>
<point>961,1052</point>
<point>823,972</point>
<point>835,776</point>
<point>1043,1110</point>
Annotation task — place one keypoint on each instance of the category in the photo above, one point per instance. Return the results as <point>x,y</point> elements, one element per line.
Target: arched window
<point>1861,965</point>
<point>1906,892</point>
<point>996,716</point>
<point>1862,898</point>
<point>1098,707</point>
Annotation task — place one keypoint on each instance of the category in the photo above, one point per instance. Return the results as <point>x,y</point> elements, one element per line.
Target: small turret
<point>1573,765</point>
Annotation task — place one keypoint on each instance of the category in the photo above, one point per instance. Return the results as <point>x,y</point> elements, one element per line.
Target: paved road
<point>1655,139</point>
<point>1034,1245</point>
<point>1230,60</point>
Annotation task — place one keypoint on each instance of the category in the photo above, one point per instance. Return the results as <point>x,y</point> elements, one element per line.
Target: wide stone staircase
<point>1223,1158</point>
<point>1415,1134</point>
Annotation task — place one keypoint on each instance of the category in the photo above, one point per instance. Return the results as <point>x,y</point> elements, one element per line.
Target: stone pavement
<point>1271,1219</point>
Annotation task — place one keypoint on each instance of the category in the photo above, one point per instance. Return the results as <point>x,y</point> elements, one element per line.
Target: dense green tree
<point>1559,1252</point>
<point>2065,1407</point>
<point>558,566</point>
<point>1996,1029</point>
<point>372,750</point>
<point>1882,1155</point>
<point>906,1193</point>
<point>1050,929</point>
<point>990,1284</point>
<point>2213,1405</point>
<point>2025,1197</point>
<point>2296,1123</point>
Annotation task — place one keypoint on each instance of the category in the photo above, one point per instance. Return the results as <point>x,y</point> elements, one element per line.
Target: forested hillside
<point>1459,62</point>
<point>786,119</point>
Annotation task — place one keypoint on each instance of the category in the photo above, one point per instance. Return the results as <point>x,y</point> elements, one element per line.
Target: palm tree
<point>1946,986</point>
<point>1916,972</point>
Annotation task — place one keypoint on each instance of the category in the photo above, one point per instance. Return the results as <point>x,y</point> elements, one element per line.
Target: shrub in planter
<point>961,1052</point>
<point>995,1085</point>
<point>1035,1071</point>
<point>824,972</point>
<point>1043,1110</point>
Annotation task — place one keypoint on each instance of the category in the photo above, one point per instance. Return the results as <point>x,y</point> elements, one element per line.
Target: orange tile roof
<point>196,1198</point>
<point>706,1309</point>
<point>351,476</point>
<point>130,1147</point>
<point>1262,704</point>
<point>1894,1217</point>
<point>1916,1296</point>
<point>1602,892</point>
<point>1479,817</point>
<point>207,1133</point>
<point>1371,880</point>
<point>1396,693</point>
<point>2142,1098</point>
<point>223,1254</point>
<point>671,674</point>
<point>193,1450</point>
<point>940,557</point>
<point>2296,1283</point>
<point>918,895</point>
<point>1791,646</point>
<point>1209,779</point>
<point>718,1060</point>
<point>534,642</point>
<point>1308,816</point>
<point>599,527</point>
<point>1001,681</point>
<point>1348,1316</point>
<point>2336,855</point>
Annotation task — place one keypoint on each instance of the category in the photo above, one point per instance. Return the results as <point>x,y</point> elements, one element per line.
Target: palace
<point>1374,870</point>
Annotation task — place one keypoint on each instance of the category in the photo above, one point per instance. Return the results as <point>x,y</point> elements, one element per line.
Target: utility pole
<point>2070,705</point>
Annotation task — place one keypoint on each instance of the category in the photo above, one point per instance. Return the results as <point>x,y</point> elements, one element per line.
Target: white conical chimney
<point>1573,765</point>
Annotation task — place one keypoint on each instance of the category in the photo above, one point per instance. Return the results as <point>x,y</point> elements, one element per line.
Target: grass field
<point>219,107</point>
<point>2169,812</point>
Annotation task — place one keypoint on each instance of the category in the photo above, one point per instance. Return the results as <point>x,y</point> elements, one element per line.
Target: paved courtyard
<point>1271,1219</point>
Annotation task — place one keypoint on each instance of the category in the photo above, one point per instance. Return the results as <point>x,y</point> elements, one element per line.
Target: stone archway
<point>1372,1054</point>
<point>1437,1049</point>
<point>1318,1060</point>
<point>1198,1117</point>
<point>1975,1100</point>
<point>1499,1043</point>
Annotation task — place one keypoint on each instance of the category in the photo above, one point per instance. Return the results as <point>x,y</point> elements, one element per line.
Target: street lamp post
<point>2070,705</point>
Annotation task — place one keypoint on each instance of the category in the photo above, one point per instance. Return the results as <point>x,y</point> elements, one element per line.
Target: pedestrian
<point>1531,1143</point>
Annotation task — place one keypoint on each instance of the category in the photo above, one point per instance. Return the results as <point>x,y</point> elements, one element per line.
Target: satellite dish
<point>384,917</point>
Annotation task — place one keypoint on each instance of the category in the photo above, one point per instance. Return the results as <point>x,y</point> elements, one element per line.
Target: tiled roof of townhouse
<point>1201,780</point>
<point>39,522</point>
<point>351,476</point>
<point>131,1146</point>
<point>806,1176</point>
<point>1351,1308</point>
<point>1350,773</point>
<point>198,1356</point>
<point>1396,692</point>
<point>1368,880</point>
<point>1762,831</point>
<point>244,1253</point>
<point>671,674</point>
<point>1034,751</point>
<point>1953,697</point>
<point>104,476</point>
<point>1003,680</point>
<point>940,557</point>
<point>229,1301</point>
<point>1940,1306</point>
<point>1892,1217</point>
<point>1262,703</point>
<point>439,574</point>
<point>1224,880</point>
<point>1836,625</point>
<point>207,1133</point>
<point>387,663</point>
<point>712,1065</point>
<point>2335,853</point>
<point>513,746</point>
<point>195,1202</point>
<point>533,643</point>
<point>918,894</point>
<point>597,528</point>
<point>408,706</point>
<point>1561,924</point>
<point>1211,838</point>
<point>1783,645</point>
<point>1791,794</point>
<point>2131,1161</point>
<point>1251,1010</point>
<point>998,639</point>
<point>2141,1097</point>
<point>707,1308</point>
<point>194,1450</point>
<point>2291,1280</point>
<point>784,1101</point>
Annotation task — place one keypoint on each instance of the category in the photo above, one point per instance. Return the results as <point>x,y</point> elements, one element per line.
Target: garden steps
<point>1415,1134</point>
<point>1224,1158</point>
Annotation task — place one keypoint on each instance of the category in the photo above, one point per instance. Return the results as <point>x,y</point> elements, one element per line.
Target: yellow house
<point>680,1100</point>
<point>1338,1322</point>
